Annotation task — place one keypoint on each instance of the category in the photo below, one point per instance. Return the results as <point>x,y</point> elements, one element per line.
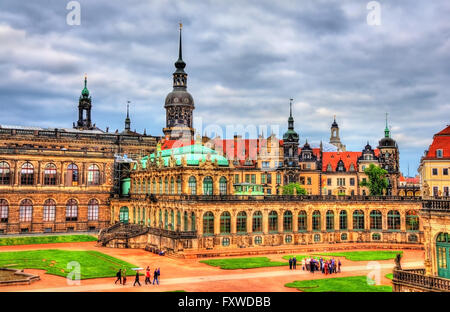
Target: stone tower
<point>334,138</point>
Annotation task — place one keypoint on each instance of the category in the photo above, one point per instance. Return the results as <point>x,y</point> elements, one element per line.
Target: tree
<point>377,181</point>
<point>289,189</point>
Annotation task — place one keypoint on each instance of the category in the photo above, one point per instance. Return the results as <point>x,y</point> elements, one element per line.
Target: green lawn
<point>299,257</point>
<point>48,239</point>
<point>338,284</point>
<point>389,276</point>
<point>365,255</point>
<point>244,263</point>
<point>93,264</point>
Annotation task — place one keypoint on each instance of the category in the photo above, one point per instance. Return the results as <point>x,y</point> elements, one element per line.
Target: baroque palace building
<point>58,180</point>
<point>200,193</point>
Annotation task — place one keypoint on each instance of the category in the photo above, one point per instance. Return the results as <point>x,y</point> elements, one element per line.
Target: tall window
<point>172,185</point>
<point>179,185</point>
<point>26,211</point>
<point>193,227</point>
<point>93,175</point>
<point>49,210</point>
<point>154,186</point>
<point>223,186</point>
<point>172,219</point>
<point>302,221</point>
<point>330,220</point>
<point>208,223</point>
<point>192,185</point>
<point>273,221</point>
<point>225,223</point>
<point>343,221</point>
<point>4,207</point>
<point>241,222</point>
<point>166,185</point>
<point>358,220</point>
<point>72,210</point>
<point>257,222</point>
<point>393,220</point>
<point>178,220</point>
<point>316,226</point>
<point>207,186</point>
<point>412,220</point>
<point>186,221</point>
<point>376,220</point>
<point>72,175</point>
<point>166,219</point>
<point>5,173</point>
<point>27,174</point>
<point>287,221</point>
<point>93,210</point>
<point>50,174</point>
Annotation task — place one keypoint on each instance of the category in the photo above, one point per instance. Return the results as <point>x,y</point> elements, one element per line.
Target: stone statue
<point>397,262</point>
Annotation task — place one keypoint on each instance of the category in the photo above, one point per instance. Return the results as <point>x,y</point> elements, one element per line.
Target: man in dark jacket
<point>290,263</point>
<point>119,277</point>
<point>294,263</point>
<point>137,279</point>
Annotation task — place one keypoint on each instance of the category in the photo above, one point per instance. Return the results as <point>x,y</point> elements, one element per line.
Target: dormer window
<point>329,168</point>
<point>439,153</point>
<point>340,166</point>
<point>352,168</point>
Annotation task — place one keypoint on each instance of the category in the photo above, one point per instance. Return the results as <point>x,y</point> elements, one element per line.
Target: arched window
<point>316,224</point>
<point>258,240</point>
<point>154,186</point>
<point>179,182</point>
<point>273,221</point>
<point>192,185</point>
<point>207,186</point>
<point>72,177</point>
<point>412,220</point>
<point>257,222</point>
<point>226,241</point>
<point>178,220</point>
<point>376,236</point>
<point>50,174</point>
<point>26,211</point>
<point>393,220</point>
<point>225,223</point>
<point>72,210</point>
<point>4,209</point>
<point>241,222</point>
<point>193,227</point>
<point>223,186</point>
<point>376,220</point>
<point>49,210</point>
<point>287,221</point>
<point>172,220</point>
<point>93,175</point>
<point>166,185</point>
<point>166,219</point>
<point>160,223</point>
<point>329,220</point>
<point>208,223</point>
<point>358,220</point>
<point>5,173</point>
<point>27,174</point>
<point>172,185</point>
<point>343,221</point>
<point>302,221</point>
<point>186,221</point>
<point>160,186</point>
<point>93,210</point>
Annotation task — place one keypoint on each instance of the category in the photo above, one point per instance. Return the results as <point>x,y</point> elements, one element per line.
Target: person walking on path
<point>312,264</point>
<point>307,262</point>
<point>303,264</point>
<point>290,263</point>
<point>147,276</point>
<point>294,263</point>
<point>119,277</point>
<point>339,266</point>
<point>124,277</point>
<point>159,275</point>
<point>136,280</point>
<point>155,277</point>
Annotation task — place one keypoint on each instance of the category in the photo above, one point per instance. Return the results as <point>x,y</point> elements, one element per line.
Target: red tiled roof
<point>333,158</point>
<point>168,144</point>
<point>441,140</point>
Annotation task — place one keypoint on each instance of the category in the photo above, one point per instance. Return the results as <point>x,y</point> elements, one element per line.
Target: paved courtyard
<point>191,275</point>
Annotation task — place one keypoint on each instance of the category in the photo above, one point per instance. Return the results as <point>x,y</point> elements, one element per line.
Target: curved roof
<point>192,153</point>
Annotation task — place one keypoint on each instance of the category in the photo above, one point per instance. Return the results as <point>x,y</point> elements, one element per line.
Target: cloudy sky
<point>245,59</point>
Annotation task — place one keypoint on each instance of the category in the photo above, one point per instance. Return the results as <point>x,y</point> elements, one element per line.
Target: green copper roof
<point>192,153</point>
<point>85,91</point>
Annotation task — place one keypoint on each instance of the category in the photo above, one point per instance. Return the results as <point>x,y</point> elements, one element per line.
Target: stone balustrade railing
<point>416,278</point>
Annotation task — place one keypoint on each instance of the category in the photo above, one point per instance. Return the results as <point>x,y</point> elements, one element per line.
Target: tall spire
<point>127,120</point>
<point>290,119</point>
<point>85,91</point>
<point>180,76</point>
<point>387,133</point>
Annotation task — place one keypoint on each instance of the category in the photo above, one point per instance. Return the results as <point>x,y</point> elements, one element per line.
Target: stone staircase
<point>122,232</point>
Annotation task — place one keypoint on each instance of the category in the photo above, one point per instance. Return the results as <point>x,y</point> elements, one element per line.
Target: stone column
<point>233,221</point>
<point>309,220</point>
<point>265,221</point>
<point>249,221</point>
<point>216,223</point>
<point>295,221</point>
<point>280,220</point>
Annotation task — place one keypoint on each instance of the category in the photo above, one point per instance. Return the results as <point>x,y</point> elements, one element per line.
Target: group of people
<point>311,264</point>
<point>122,277</point>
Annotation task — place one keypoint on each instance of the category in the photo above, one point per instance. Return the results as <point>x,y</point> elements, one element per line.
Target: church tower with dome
<point>179,104</point>
<point>84,109</point>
